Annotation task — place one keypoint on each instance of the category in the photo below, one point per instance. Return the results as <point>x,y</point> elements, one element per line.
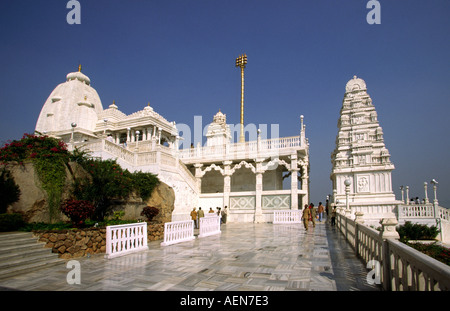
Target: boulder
<point>33,198</point>
<point>163,198</point>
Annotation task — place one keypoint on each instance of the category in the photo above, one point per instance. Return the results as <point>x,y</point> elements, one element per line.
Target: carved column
<point>259,187</point>
<point>294,182</point>
<point>226,182</point>
<point>305,198</point>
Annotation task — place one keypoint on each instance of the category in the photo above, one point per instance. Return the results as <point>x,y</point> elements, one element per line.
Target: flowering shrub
<point>31,147</point>
<point>49,156</point>
<point>78,211</point>
<point>150,212</point>
<point>435,251</point>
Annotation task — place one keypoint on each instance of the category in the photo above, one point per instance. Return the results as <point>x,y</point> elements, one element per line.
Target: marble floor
<point>244,257</point>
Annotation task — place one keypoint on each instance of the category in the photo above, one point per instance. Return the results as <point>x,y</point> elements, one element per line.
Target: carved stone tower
<point>360,155</point>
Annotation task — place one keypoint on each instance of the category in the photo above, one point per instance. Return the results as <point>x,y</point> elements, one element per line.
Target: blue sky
<point>179,56</point>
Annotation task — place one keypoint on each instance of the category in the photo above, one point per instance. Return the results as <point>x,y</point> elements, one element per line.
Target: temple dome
<point>73,101</point>
<point>78,75</point>
<point>355,84</point>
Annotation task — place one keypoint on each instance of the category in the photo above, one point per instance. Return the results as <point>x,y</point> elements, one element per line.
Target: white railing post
<point>178,231</point>
<point>287,217</point>
<point>125,239</point>
<point>209,226</point>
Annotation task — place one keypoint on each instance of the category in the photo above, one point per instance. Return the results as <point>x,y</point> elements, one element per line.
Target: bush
<point>435,251</point>
<point>144,183</point>
<point>49,156</point>
<point>11,222</point>
<point>149,212</point>
<point>110,182</point>
<point>410,231</point>
<point>78,211</point>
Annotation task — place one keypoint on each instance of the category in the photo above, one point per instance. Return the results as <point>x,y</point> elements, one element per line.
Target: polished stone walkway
<point>255,257</point>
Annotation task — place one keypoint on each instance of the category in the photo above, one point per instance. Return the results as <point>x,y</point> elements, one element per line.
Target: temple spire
<point>79,68</point>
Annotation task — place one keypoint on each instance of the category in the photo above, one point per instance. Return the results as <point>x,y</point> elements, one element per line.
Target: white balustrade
<point>401,267</point>
<point>417,211</point>
<point>444,213</point>
<point>287,217</point>
<point>124,239</point>
<point>237,149</point>
<point>178,231</point>
<point>209,226</point>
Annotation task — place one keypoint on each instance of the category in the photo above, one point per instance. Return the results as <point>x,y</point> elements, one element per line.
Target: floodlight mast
<point>241,61</point>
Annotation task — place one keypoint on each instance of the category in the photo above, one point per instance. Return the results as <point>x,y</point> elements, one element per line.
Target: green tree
<point>109,181</point>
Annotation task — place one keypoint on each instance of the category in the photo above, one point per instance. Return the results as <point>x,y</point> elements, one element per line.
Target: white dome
<point>355,84</point>
<point>73,101</point>
<point>78,76</point>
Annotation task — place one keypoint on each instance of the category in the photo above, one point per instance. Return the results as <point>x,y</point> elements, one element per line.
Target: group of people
<point>195,216</point>
<point>311,214</point>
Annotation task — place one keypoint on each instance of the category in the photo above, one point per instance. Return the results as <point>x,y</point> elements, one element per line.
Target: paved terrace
<point>256,257</point>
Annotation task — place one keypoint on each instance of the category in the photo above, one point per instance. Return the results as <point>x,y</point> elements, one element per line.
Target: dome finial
<point>79,68</point>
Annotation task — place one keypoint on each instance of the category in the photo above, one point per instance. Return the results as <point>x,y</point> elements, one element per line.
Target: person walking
<point>200,214</point>
<point>333,216</point>
<point>194,217</point>
<point>320,210</point>
<point>313,214</point>
<point>306,215</point>
<point>224,215</point>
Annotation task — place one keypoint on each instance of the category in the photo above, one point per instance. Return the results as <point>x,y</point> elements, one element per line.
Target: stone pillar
<point>435,201</point>
<point>359,217</point>
<point>358,221</point>
<point>388,230</point>
<point>258,208</point>
<point>198,175</point>
<point>294,189</point>
<point>226,182</point>
<point>425,186</point>
<point>294,182</point>
<point>407,195</point>
<point>305,198</point>
<point>259,188</point>
<point>348,211</point>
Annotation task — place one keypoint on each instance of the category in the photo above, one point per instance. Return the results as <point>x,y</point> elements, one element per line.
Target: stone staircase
<point>20,253</point>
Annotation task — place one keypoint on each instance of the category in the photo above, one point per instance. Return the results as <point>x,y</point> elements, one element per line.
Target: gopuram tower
<point>361,166</point>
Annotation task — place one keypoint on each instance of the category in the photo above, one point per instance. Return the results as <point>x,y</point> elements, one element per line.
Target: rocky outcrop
<point>33,199</point>
<point>163,198</point>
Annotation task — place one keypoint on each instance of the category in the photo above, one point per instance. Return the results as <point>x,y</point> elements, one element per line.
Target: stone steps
<point>20,253</point>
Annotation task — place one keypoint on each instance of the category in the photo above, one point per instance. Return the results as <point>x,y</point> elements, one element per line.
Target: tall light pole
<point>241,61</point>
